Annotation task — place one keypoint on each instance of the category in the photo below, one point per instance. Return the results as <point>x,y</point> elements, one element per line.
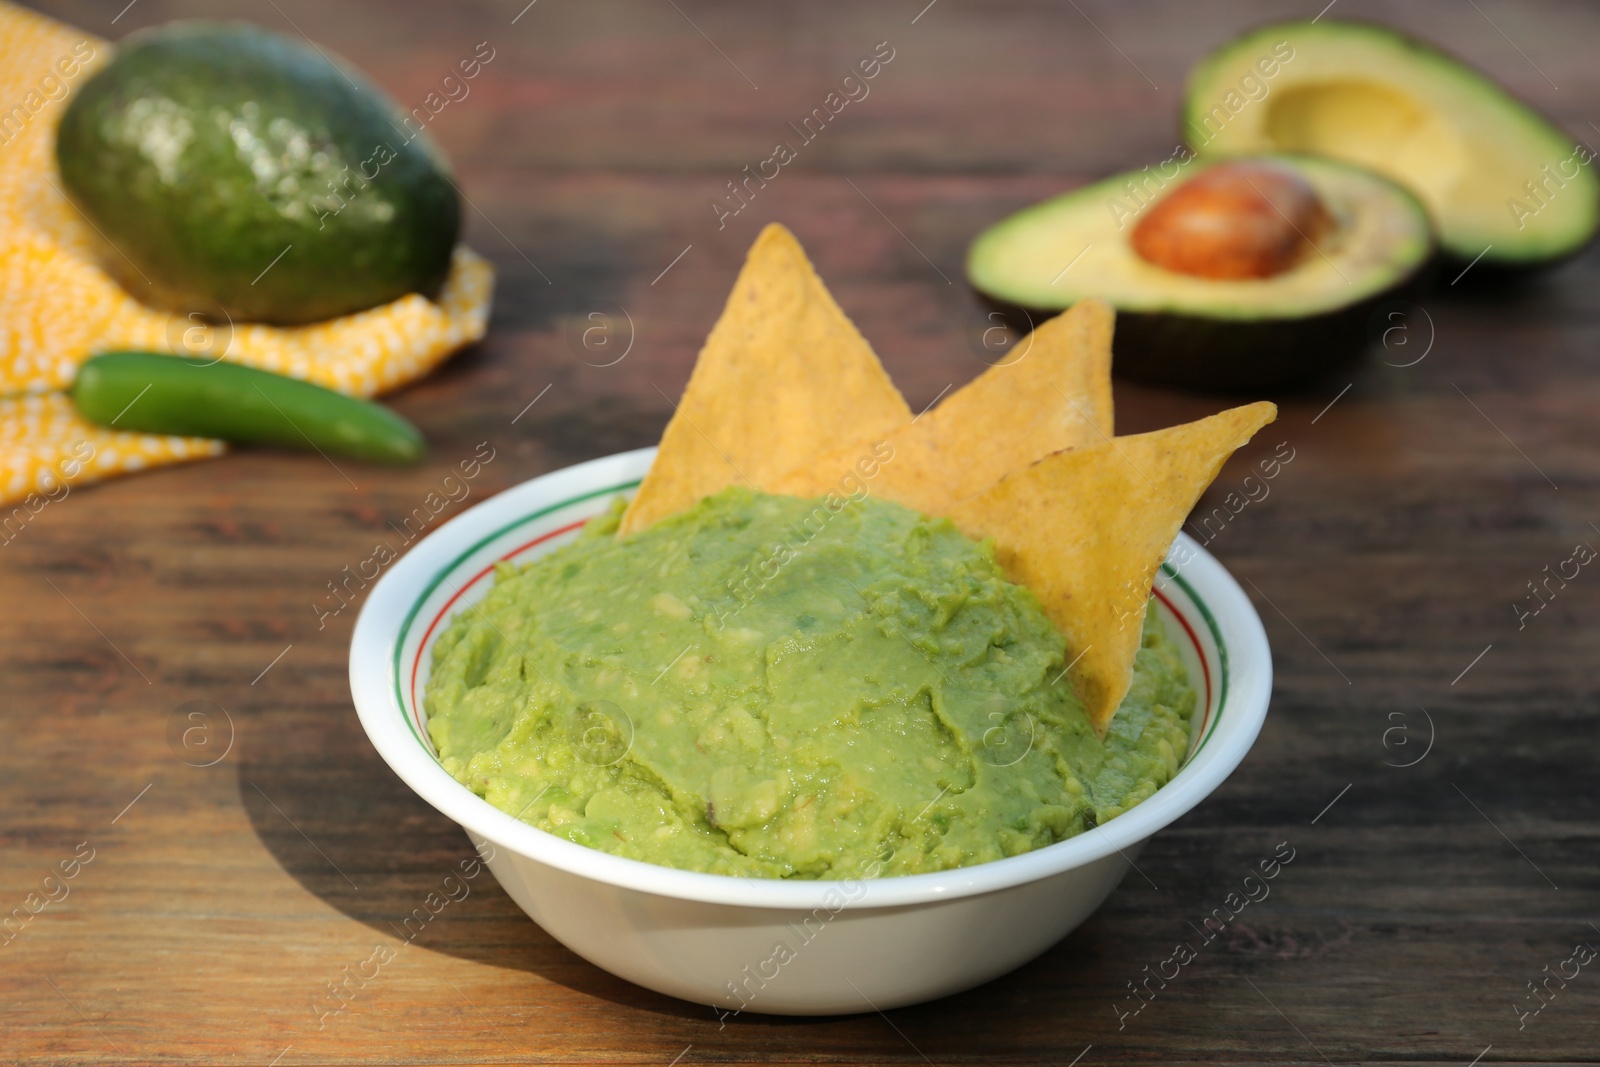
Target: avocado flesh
<point>240,174</point>
<point>1203,333</point>
<point>1373,97</point>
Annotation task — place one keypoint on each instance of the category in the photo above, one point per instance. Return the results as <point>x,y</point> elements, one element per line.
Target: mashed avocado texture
<point>770,687</point>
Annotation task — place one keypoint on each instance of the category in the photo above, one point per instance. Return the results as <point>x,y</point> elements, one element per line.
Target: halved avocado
<point>1216,333</point>
<point>1499,179</point>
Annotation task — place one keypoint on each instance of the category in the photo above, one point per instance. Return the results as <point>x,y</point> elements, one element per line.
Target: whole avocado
<point>244,174</point>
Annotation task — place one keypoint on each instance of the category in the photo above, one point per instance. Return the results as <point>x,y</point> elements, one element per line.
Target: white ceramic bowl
<point>786,947</point>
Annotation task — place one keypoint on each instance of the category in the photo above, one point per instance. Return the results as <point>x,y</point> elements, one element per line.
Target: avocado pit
<point>1234,221</point>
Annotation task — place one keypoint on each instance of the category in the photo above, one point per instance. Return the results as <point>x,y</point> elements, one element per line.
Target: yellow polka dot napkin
<point>57,307</point>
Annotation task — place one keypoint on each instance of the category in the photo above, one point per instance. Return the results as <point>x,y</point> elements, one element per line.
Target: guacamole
<point>784,688</point>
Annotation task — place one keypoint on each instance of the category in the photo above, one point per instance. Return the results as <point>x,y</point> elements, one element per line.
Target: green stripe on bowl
<point>1171,573</point>
<point>398,672</point>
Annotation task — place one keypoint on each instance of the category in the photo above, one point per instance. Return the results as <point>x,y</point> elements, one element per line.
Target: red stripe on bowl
<point>416,664</point>
<point>1200,654</point>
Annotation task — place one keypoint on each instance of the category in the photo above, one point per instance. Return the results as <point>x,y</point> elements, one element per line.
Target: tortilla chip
<point>784,377</point>
<point>1086,529</point>
<point>1056,394</point>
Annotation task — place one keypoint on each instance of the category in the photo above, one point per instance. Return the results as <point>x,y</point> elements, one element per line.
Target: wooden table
<point>221,900</point>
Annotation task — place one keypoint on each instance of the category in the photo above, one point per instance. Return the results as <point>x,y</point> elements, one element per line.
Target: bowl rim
<point>1244,659</point>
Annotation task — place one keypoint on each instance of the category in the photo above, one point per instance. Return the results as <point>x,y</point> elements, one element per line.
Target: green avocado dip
<point>768,687</point>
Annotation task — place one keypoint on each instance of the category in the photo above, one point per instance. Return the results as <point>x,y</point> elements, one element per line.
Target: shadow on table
<point>341,823</point>
<point>347,829</point>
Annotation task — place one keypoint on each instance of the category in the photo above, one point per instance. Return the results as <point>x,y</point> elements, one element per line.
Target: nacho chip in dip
<point>1055,394</point>
<point>783,378</point>
<point>1085,529</point>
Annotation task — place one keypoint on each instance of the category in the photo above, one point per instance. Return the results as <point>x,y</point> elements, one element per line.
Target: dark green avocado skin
<point>1277,356</point>
<point>238,173</point>
<point>1267,356</point>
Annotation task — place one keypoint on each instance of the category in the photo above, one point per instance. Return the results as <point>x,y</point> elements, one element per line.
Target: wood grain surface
<point>221,900</point>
